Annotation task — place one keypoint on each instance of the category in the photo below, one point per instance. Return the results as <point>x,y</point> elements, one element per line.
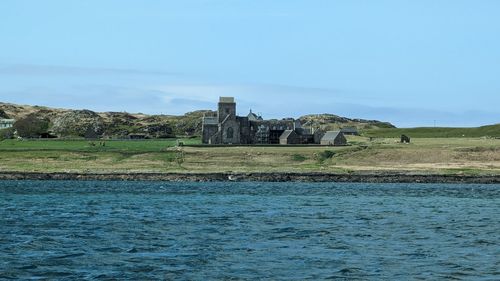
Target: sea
<point>113,230</point>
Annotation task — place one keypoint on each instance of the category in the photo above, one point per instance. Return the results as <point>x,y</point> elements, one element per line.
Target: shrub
<point>299,158</point>
<point>6,133</point>
<point>31,126</point>
<point>325,155</point>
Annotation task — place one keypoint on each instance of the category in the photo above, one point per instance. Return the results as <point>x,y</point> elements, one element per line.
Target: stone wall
<point>207,132</point>
<point>230,130</point>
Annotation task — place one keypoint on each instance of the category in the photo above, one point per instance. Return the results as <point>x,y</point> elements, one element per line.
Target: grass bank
<point>426,132</point>
<point>465,156</point>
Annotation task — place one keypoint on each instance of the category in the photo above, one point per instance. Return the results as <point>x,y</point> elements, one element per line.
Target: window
<point>229,133</point>
<point>227,111</point>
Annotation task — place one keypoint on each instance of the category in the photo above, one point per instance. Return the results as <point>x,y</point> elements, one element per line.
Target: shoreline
<point>371,177</point>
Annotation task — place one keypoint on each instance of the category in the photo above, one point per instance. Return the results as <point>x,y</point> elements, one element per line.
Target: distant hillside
<point>334,122</point>
<point>425,132</point>
<point>78,123</point>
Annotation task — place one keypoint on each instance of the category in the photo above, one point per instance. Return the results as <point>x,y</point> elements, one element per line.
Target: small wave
<point>28,267</point>
<point>209,231</point>
<point>110,250</point>
<point>350,271</point>
<point>70,256</point>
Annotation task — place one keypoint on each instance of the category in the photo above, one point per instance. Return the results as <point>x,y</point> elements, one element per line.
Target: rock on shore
<point>384,177</point>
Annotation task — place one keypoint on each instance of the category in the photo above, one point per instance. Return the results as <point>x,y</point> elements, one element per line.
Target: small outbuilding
<point>352,131</point>
<point>334,138</point>
<point>318,135</point>
<point>289,137</point>
<point>137,136</point>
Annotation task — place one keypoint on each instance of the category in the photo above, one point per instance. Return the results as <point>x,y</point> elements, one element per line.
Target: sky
<point>411,63</point>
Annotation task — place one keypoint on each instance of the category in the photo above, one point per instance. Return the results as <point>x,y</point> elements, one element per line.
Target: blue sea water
<point>97,230</point>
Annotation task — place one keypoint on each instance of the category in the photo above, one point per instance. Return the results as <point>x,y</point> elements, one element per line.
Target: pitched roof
<point>252,116</point>
<point>349,130</point>
<point>331,135</point>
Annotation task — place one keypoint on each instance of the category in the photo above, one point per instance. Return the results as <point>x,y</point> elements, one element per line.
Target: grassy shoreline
<point>493,131</point>
<point>432,156</point>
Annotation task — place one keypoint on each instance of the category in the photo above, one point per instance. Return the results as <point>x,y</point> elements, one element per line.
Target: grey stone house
<point>226,127</point>
<point>290,137</point>
<point>334,138</point>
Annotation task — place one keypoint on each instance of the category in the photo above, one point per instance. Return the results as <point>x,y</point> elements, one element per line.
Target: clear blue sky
<point>407,62</point>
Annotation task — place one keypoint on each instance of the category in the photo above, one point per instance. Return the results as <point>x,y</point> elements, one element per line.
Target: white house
<point>6,123</point>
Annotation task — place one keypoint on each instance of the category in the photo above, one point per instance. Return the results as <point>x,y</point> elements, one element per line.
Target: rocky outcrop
<point>79,123</point>
<point>17,112</point>
<point>119,124</point>
<point>3,115</point>
<point>331,121</point>
<point>159,130</point>
<point>190,123</point>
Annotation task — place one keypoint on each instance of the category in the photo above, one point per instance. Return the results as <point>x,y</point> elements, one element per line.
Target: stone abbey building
<point>229,128</point>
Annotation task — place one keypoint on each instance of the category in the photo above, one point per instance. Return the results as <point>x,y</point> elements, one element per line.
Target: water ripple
<point>91,230</point>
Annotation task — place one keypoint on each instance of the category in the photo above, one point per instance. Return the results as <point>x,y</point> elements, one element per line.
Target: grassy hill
<point>330,122</point>
<point>112,124</point>
<point>75,123</point>
<point>426,132</point>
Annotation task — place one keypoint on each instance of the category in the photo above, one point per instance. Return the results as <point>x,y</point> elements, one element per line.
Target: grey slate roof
<point>330,135</point>
<point>349,130</point>
<point>254,117</point>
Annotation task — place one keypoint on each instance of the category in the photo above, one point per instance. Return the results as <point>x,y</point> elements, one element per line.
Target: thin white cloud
<point>60,70</point>
<point>256,92</point>
<point>275,101</point>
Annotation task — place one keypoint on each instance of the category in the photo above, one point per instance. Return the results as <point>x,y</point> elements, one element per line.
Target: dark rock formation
<point>405,139</point>
<point>3,115</point>
<point>162,130</point>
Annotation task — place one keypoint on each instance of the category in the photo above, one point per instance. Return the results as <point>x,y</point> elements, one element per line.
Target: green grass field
<point>423,155</point>
<point>85,146</point>
<point>424,132</point>
<point>89,156</point>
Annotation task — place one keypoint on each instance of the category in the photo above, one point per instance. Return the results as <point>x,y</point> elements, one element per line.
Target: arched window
<point>229,133</point>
